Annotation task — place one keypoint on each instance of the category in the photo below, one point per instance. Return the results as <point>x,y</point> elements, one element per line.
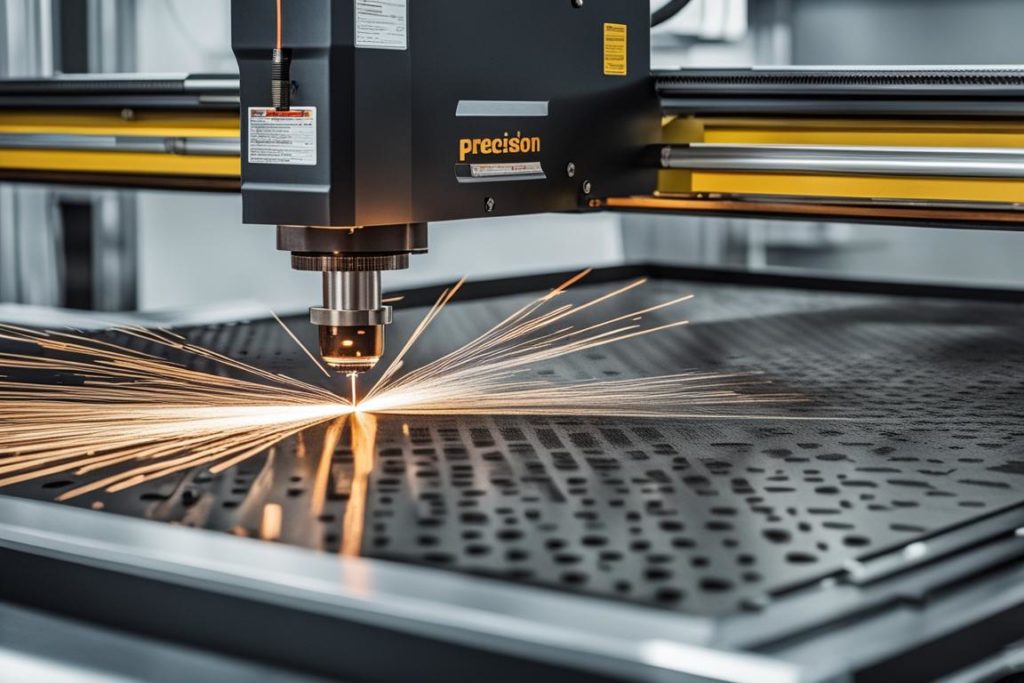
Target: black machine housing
<point>390,138</point>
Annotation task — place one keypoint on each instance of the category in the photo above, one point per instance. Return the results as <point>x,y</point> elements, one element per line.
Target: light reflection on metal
<point>135,416</point>
<point>271,522</point>
<point>323,471</point>
<point>364,457</point>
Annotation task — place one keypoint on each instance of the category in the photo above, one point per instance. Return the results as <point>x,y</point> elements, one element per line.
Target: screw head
<point>587,187</point>
<point>489,205</point>
<point>577,3</point>
<point>570,170</point>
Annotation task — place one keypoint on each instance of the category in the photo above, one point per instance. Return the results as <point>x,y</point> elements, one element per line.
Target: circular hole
<point>438,558</point>
<point>798,557</point>
<point>657,574</point>
<point>669,595</point>
<point>777,535</point>
<point>715,584</point>
<point>574,578</point>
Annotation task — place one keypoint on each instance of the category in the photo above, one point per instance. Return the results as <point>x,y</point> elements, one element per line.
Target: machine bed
<point>911,435</point>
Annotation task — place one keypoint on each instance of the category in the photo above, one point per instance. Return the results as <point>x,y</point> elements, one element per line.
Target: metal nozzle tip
<point>353,367</point>
<point>352,349</point>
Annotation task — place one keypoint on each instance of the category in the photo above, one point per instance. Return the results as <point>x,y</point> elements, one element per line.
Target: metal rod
<point>828,160</point>
<point>111,143</point>
<point>352,290</point>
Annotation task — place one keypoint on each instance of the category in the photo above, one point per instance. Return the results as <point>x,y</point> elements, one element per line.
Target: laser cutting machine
<point>351,126</point>
<point>402,116</point>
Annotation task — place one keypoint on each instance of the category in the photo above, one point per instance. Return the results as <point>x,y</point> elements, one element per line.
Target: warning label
<point>382,24</point>
<point>282,137</point>
<point>615,43</point>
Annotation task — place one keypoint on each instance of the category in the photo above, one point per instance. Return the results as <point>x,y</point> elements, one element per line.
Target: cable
<point>278,24</point>
<point>667,11</point>
<point>280,70</point>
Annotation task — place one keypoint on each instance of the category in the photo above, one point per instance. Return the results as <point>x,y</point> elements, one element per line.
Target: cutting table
<point>791,542</point>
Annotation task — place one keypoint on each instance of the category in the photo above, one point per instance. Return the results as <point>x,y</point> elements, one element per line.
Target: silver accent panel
<point>815,159</point>
<point>502,172</point>
<point>326,317</point>
<point>501,108</point>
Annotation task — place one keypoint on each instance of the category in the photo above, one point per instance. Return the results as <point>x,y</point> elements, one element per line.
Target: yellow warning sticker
<point>615,43</point>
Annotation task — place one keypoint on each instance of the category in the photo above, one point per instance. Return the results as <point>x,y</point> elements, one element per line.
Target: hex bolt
<point>489,204</point>
<point>570,170</point>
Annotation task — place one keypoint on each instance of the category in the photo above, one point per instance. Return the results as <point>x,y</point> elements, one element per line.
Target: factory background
<point>149,250</point>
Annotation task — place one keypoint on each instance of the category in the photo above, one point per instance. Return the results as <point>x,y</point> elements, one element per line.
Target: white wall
<point>706,33</point>
<point>190,36</point>
<point>194,250</point>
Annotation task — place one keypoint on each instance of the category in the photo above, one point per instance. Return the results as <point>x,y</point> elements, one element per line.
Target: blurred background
<point>146,250</point>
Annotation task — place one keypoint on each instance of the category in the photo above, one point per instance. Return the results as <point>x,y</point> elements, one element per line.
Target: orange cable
<point>278,24</point>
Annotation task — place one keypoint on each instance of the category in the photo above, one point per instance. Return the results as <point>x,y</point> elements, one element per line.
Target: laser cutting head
<point>352,148</point>
<point>353,316</point>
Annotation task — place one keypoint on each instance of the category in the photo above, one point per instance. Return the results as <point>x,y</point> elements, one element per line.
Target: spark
<point>494,374</point>
<point>364,455</point>
<point>302,346</point>
<point>127,417</point>
<point>124,417</point>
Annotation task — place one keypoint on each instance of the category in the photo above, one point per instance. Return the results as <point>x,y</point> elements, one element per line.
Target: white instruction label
<point>282,137</point>
<point>382,24</point>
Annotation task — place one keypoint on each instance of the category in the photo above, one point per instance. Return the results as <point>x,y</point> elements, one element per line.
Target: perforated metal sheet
<point>696,515</point>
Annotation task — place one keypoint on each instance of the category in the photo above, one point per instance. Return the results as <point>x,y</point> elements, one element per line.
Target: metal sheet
<point>705,517</point>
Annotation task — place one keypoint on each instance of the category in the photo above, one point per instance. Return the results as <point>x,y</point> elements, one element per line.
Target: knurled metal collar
<point>330,263</point>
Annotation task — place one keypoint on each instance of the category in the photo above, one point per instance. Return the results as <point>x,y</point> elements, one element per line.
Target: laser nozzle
<point>351,349</point>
